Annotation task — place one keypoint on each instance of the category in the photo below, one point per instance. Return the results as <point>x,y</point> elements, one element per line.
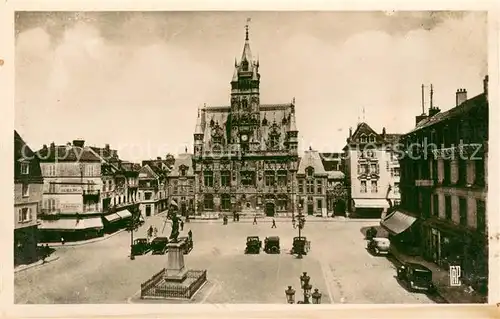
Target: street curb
<point>37,264</point>
<point>288,220</point>
<point>86,242</point>
<point>396,256</point>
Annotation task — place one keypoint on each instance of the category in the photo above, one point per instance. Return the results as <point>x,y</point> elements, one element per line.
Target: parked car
<point>159,245</point>
<point>300,246</point>
<point>254,244</point>
<point>416,277</point>
<point>272,245</point>
<point>187,244</point>
<point>140,246</point>
<point>379,246</point>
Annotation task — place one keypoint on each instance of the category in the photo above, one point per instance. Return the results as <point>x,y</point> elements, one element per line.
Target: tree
<point>169,159</point>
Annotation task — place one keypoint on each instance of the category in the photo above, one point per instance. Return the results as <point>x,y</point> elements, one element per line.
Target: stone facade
<point>245,154</point>
<point>444,184</point>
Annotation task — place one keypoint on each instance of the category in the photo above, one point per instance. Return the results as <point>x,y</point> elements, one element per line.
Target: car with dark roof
<point>272,245</point>
<point>159,245</point>
<point>416,277</point>
<point>253,246</point>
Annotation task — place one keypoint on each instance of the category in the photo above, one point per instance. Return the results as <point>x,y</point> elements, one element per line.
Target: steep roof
<point>274,118</point>
<point>146,172</point>
<point>311,159</point>
<point>186,160</point>
<point>105,153</point>
<point>477,101</point>
<point>67,153</point>
<point>24,154</point>
<point>335,175</point>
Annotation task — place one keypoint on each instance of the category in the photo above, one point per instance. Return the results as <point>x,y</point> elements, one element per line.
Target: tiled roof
<point>311,158</point>
<point>149,172</point>
<point>105,153</point>
<point>67,153</point>
<point>23,153</point>
<point>477,101</point>
<point>275,117</point>
<point>185,159</point>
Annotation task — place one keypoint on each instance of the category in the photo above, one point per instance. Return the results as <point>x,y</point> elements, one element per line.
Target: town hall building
<point>245,154</point>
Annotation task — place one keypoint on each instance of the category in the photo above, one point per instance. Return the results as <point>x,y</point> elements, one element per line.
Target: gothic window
<point>244,104</point>
<point>282,178</point>
<point>310,187</point>
<point>372,138</point>
<point>374,187</point>
<point>248,178</point>
<point>225,202</point>
<point>363,186</point>
<point>208,178</point>
<point>264,122</point>
<point>301,186</point>
<point>269,178</point>
<point>208,202</point>
<point>245,65</point>
<point>281,203</point>
<point>225,178</point>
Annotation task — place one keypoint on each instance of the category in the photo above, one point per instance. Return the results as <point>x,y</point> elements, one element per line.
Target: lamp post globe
<point>316,296</point>
<point>290,295</point>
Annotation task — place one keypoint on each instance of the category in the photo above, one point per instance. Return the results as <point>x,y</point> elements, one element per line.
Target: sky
<point>135,80</point>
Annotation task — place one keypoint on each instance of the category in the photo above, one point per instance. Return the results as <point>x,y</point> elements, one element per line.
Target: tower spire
<point>431,102</point>
<point>246,29</point>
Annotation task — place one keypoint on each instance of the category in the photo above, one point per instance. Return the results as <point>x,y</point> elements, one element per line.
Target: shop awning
<point>112,217</point>
<point>397,222</point>
<point>174,203</point>
<point>71,224</point>
<point>124,214</point>
<point>371,203</point>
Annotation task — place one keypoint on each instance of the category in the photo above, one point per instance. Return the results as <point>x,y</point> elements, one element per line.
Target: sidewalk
<point>83,242</point>
<point>265,219</point>
<point>441,280</point>
<point>36,264</point>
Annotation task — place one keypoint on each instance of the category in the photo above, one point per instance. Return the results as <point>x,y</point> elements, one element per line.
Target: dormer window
<point>310,171</point>
<point>363,138</point>
<point>25,168</point>
<point>372,138</point>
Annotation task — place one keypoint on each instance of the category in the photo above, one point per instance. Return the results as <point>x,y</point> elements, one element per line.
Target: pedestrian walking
<point>155,231</point>
<point>182,225</point>
<point>254,220</point>
<point>150,231</point>
<point>62,240</point>
<point>237,217</point>
<point>274,224</point>
<point>190,234</point>
<point>293,223</point>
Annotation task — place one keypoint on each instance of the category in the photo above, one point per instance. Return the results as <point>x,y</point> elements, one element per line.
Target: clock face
<point>244,137</point>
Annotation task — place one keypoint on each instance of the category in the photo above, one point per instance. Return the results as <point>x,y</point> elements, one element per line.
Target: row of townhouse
<point>76,192</point>
<point>443,211</point>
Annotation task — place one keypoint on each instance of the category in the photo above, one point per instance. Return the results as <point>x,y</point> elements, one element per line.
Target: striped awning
<point>71,224</point>
<point>112,217</point>
<point>397,222</point>
<point>124,214</point>
<point>370,203</point>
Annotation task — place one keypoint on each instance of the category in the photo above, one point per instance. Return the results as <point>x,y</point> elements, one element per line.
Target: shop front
<point>404,231</point>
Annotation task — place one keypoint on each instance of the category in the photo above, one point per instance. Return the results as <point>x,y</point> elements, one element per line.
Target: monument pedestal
<point>175,270</point>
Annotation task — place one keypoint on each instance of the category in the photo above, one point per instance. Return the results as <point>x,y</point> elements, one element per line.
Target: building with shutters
<point>28,189</point>
<point>444,187</point>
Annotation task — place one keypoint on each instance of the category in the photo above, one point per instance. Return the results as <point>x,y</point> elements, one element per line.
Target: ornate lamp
<point>316,296</point>
<point>290,295</point>
<point>304,279</point>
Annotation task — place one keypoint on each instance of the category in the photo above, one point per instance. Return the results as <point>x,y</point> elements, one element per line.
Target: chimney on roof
<point>383,132</point>
<point>460,96</point>
<point>158,158</point>
<point>485,86</point>
<point>44,147</point>
<point>434,110</point>
<point>52,145</point>
<point>106,146</point>
<point>78,143</point>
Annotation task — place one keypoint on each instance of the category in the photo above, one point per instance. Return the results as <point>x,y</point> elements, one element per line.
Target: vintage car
<point>254,244</point>
<point>159,245</point>
<point>379,246</point>
<point>187,244</point>
<point>272,245</point>
<point>300,246</point>
<point>140,246</point>
<point>416,277</point>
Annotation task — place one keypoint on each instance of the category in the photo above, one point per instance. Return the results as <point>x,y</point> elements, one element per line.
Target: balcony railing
<point>424,182</point>
<point>94,192</point>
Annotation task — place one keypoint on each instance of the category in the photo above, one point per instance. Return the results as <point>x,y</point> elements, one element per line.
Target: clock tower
<point>245,113</point>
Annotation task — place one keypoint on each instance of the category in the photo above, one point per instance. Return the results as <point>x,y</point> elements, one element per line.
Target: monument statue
<point>175,228</point>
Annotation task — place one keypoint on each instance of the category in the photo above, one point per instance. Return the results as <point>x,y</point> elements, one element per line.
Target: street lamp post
<point>306,287</point>
<point>302,221</point>
<point>131,228</point>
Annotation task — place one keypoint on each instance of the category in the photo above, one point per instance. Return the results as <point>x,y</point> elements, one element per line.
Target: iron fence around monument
<point>156,287</point>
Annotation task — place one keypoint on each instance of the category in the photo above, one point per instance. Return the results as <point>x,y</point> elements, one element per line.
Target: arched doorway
<point>339,207</point>
<point>270,209</point>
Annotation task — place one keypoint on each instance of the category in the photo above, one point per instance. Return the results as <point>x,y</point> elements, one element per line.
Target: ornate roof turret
<point>247,52</point>
<point>293,125</point>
